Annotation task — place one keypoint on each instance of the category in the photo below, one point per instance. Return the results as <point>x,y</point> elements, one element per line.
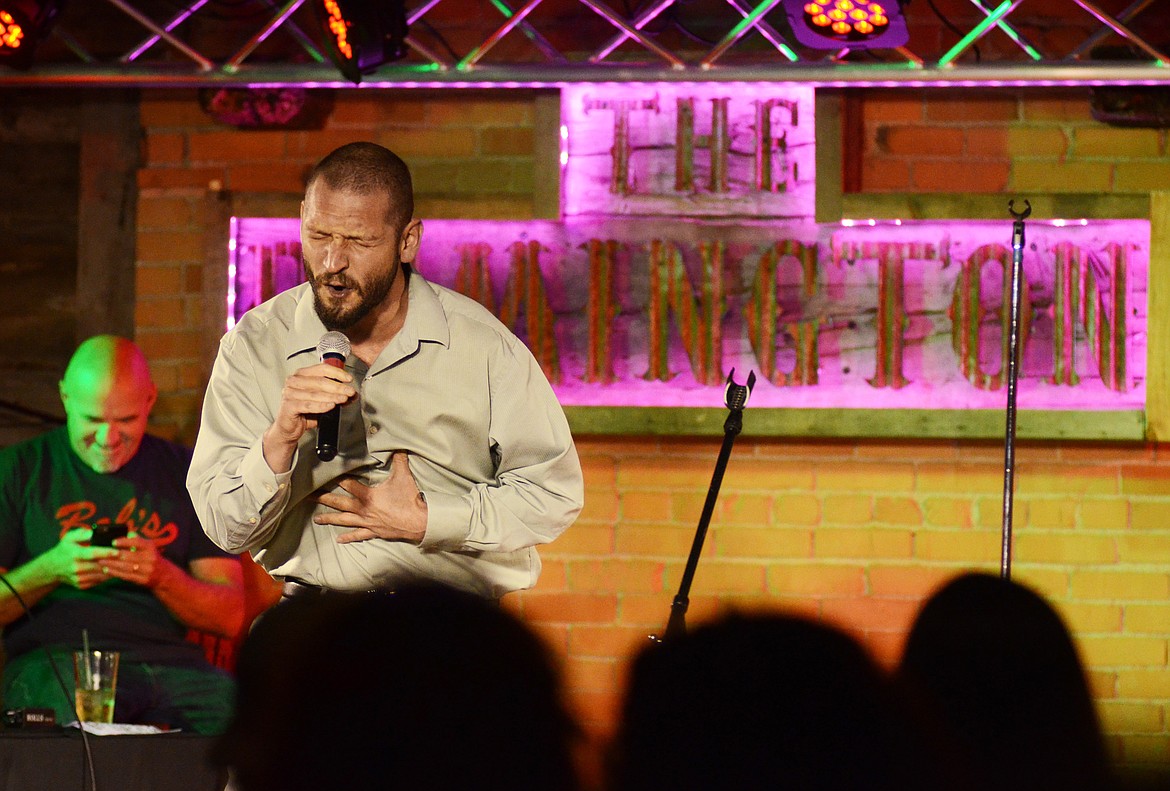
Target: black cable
<point>681,27</point>
<point>951,26</point>
<point>668,19</point>
<point>439,37</point>
<point>30,412</point>
<point>228,10</point>
<point>65,690</point>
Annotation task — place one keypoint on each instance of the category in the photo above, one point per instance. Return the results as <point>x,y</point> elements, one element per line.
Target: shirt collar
<point>425,320</point>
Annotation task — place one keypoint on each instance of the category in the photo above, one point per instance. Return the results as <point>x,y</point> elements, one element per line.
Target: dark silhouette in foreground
<point>425,689</point>
<point>995,667</point>
<point>762,702</point>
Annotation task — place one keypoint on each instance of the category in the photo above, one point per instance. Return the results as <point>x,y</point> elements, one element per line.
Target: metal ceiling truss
<point>281,45</point>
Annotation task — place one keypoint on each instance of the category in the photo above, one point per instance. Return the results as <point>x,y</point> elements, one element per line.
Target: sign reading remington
<point>649,312</point>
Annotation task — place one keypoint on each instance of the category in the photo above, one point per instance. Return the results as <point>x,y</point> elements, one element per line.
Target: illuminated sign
<point>688,247</point>
<point>639,313</point>
<point>689,149</point>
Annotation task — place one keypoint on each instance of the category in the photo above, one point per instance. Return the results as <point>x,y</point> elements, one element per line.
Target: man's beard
<point>370,296</point>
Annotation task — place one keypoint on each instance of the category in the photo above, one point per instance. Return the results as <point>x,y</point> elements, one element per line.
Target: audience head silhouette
<point>427,689</point>
<point>761,701</point>
<point>996,667</point>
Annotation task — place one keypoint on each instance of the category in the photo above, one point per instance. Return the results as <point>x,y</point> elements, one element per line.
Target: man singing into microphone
<point>453,458</point>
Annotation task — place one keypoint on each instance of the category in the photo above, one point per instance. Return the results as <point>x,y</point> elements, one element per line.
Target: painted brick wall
<point>858,533</point>
<point>854,532</point>
<point>1018,141</point>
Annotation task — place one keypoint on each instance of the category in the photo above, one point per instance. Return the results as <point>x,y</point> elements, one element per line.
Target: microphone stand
<point>735,397</point>
<point>1013,363</point>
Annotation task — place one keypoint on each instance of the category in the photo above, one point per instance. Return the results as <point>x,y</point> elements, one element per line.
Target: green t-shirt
<point>46,490</point>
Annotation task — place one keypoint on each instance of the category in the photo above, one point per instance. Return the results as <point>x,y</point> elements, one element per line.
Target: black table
<point>54,760</point>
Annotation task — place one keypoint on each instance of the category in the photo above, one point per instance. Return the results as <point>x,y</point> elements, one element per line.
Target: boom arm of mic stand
<point>736,398</point>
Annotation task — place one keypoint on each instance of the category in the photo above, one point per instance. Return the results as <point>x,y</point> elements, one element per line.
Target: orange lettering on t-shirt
<point>79,514</point>
<point>147,525</point>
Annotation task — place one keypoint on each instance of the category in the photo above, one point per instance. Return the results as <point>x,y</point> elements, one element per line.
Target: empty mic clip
<point>736,396</point>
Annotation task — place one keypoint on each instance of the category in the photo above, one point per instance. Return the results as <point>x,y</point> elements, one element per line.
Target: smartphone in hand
<point>104,534</point>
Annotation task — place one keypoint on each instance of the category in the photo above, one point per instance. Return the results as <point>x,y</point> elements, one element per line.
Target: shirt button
<point>252,521</point>
<point>268,488</point>
<point>373,429</point>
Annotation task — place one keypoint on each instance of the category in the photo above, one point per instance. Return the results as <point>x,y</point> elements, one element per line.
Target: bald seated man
<point>139,596</point>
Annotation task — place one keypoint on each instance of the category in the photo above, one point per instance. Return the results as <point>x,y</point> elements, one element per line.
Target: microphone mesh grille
<point>333,343</point>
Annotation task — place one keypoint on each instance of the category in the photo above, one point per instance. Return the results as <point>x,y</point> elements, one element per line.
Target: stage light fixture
<point>23,23</point>
<point>361,35</point>
<point>847,24</point>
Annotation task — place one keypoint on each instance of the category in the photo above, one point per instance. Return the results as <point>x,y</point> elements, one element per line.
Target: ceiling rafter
<point>546,43</point>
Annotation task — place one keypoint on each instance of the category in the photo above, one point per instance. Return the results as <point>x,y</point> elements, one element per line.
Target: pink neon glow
<point>689,248</point>
<point>233,313</point>
<point>844,302</point>
<point>625,143</point>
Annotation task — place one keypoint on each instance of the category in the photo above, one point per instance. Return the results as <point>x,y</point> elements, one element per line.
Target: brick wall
<point>858,533</point>
<point>854,532</point>
<point>1006,140</point>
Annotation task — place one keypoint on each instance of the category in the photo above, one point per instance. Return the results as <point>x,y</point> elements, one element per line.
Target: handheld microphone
<point>333,348</point>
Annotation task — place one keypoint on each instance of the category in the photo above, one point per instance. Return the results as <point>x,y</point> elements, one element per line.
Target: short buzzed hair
<point>365,168</point>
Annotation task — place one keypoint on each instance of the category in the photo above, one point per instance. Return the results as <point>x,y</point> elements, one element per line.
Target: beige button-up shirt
<point>489,447</point>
